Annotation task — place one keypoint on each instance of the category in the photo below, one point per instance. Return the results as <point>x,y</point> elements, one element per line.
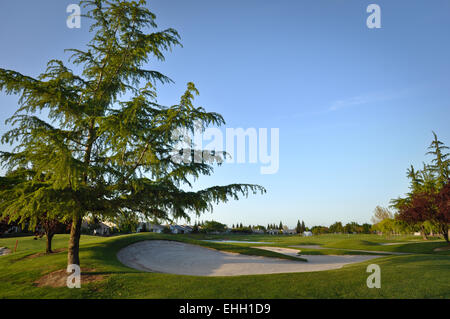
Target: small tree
<point>298,228</point>
<point>50,227</point>
<point>28,201</point>
<point>337,227</point>
<point>389,226</point>
<point>318,230</point>
<point>213,226</point>
<point>381,213</point>
<point>366,228</point>
<point>420,209</point>
<point>5,225</point>
<point>260,227</point>
<point>127,222</point>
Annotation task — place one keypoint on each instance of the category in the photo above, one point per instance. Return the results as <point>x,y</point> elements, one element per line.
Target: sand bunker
<point>356,250</point>
<point>281,250</point>
<point>186,259</point>
<point>4,251</point>
<point>238,242</point>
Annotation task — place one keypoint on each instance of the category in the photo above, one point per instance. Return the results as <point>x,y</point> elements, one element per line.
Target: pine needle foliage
<point>106,147</point>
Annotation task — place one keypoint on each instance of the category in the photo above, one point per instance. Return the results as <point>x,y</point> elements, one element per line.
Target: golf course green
<point>419,272</point>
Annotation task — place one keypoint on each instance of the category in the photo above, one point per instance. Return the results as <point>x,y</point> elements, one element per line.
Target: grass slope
<point>422,274</point>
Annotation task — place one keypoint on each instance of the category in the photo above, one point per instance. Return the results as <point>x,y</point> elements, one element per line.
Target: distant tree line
<point>339,228</point>
<point>209,226</point>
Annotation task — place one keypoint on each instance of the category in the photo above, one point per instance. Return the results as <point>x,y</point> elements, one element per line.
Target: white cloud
<point>365,99</point>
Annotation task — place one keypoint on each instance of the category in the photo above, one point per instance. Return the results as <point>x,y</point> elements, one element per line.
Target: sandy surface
<point>308,246</point>
<point>357,250</point>
<point>393,244</point>
<point>186,259</point>
<point>4,251</point>
<point>239,242</point>
<point>281,250</point>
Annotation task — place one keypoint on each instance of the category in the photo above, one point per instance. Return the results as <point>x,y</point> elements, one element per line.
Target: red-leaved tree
<point>425,206</point>
<point>4,226</point>
<point>50,227</point>
<point>443,212</point>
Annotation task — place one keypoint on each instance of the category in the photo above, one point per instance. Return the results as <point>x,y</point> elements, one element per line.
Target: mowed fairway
<point>423,273</point>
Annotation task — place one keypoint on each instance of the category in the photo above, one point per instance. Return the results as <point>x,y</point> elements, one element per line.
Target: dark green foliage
<point>242,230</point>
<point>29,200</point>
<point>317,230</point>
<point>366,228</point>
<point>441,161</point>
<point>298,228</point>
<point>5,225</point>
<point>260,227</point>
<point>336,228</point>
<point>127,222</point>
<point>213,226</point>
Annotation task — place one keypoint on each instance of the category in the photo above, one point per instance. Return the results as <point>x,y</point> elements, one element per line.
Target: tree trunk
<point>73,256</point>
<point>424,234</point>
<point>74,242</point>
<point>445,231</point>
<point>48,249</point>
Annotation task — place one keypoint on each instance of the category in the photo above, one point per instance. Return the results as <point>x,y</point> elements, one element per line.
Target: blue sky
<point>354,106</point>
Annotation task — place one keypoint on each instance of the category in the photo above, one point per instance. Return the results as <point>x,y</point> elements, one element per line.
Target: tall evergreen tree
<point>107,146</point>
<point>441,160</point>
<point>298,228</point>
<point>414,176</point>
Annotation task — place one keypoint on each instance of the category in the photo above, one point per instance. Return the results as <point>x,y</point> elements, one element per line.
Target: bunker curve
<point>186,259</point>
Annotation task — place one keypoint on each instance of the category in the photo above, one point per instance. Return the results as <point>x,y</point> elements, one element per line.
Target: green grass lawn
<point>421,274</point>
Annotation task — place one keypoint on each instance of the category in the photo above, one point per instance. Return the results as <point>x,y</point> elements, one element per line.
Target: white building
<point>187,229</point>
<point>178,229</point>
<point>156,228</point>
<point>307,233</point>
<point>104,228</point>
<point>273,231</point>
<point>149,227</point>
<point>257,231</point>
